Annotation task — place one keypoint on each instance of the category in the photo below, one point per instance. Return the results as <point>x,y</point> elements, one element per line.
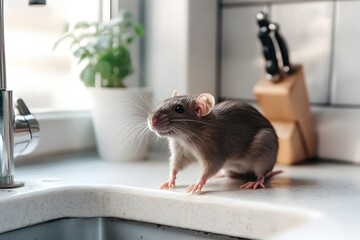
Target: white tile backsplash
<point>346,69</point>
<point>242,63</point>
<point>307,28</point>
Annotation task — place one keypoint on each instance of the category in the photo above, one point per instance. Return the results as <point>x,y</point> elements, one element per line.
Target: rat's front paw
<point>197,187</point>
<point>168,184</point>
<point>194,188</point>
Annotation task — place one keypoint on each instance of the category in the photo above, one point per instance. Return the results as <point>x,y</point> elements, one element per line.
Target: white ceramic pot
<point>120,121</point>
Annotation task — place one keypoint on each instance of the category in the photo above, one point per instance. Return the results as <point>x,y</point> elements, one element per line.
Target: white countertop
<point>316,201</point>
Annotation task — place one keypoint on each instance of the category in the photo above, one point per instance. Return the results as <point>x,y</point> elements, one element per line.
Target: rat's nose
<point>154,121</point>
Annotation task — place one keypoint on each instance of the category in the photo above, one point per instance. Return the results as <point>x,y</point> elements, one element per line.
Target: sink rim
<point>207,213</point>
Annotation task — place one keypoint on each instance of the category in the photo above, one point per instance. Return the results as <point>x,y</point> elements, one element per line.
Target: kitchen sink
<point>106,229</point>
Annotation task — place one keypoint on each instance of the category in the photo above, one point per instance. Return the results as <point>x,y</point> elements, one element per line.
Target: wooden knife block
<point>286,105</point>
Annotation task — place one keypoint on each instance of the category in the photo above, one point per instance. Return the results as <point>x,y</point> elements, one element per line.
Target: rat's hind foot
<point>254,185</point>
<point>260,181</point>
<point>168,184</point>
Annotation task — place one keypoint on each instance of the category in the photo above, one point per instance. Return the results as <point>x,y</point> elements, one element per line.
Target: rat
<point>231,137</point>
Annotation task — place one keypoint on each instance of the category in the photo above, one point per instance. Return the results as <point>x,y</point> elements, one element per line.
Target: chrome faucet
<point>19,134</point>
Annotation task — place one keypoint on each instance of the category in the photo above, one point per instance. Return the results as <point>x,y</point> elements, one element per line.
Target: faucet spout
<point>2,48</point>
<point>18,134</point>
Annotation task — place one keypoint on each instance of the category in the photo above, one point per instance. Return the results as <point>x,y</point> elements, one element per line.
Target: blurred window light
<point>46,78</point>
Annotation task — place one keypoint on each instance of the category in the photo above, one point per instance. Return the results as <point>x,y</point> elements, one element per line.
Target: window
<point>45,78</point>
<point>48,79</point>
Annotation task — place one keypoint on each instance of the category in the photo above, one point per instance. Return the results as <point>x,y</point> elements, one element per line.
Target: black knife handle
<point>269,52</point>
<point>272,67</point>
<point>287,68</point>
<point>262,19</point>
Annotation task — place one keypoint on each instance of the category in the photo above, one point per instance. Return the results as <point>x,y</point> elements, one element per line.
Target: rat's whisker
<point>134,134</point>
<point>132,110</point>
<point>143,98</point>
<point>142,135</point>
<point>128,123</point>
<point>134,104</point>
<point>135,118</point>
<point>144,131</point>
<point>140,94</point>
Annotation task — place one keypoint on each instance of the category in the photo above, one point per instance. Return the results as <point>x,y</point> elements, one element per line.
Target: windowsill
<point>62,132</point>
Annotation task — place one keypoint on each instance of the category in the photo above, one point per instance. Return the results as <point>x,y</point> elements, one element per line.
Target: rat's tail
<point>273,173</point>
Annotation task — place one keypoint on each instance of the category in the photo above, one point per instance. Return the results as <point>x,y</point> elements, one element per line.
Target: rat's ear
<point>175,93</point>
<point>204,104</point>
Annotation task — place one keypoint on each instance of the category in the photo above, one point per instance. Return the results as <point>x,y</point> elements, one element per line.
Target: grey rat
<point>231,136</point>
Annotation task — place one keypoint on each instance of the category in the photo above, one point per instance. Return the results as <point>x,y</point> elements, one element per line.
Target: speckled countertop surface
<point>317,201</point>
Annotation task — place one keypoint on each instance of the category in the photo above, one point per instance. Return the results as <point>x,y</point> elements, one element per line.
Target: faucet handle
<point>21,106</point>
<point>27,130</point>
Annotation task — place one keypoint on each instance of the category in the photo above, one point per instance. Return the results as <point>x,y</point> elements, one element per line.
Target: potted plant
<point>103,53</point>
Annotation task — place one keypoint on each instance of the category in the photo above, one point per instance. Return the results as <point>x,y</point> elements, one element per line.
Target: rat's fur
<point>234,136</point>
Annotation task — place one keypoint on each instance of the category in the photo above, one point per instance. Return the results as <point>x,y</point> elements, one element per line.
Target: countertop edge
<point>202,213</point>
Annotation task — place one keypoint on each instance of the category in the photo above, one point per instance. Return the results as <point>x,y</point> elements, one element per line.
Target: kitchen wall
<point>321,35</point>
<point>181,46</point>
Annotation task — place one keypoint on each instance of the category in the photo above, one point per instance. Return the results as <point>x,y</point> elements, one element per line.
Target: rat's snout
<point>157,125</point>
<point>153,120</point>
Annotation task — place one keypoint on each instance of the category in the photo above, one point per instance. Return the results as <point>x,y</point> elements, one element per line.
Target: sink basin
<point>105,229</point>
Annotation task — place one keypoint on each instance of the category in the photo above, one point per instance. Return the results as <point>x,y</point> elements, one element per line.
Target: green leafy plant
<point>104,48</point>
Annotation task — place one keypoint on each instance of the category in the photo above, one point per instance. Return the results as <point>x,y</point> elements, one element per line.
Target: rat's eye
<point>179,109</point>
